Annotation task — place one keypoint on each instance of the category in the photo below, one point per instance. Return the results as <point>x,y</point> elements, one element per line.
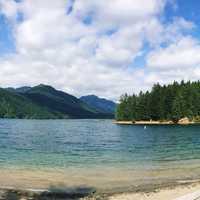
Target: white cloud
<point>118,12</point>
<point>9,8</point>
<point>179,60</point>
<point>121,48</point>
<point>183,54</point>
<point>61,50</point>
<point>158,33</point>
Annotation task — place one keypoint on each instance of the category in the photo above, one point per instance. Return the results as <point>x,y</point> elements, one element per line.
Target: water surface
<point>35,153</point>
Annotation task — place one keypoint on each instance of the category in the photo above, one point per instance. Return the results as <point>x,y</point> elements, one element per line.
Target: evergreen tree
<point>167,102</point>
<point>178,108</point>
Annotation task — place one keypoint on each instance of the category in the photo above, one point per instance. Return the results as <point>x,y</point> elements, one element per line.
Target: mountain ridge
<point>45,102</point>
<point>100,104</point>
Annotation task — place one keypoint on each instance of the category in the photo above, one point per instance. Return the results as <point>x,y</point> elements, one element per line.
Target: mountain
<point>58,101</point>
<point>22,89</point>
<point>18,90</point>
<point>13,105</point>
<point>44,101</point>
<point>99,104</point>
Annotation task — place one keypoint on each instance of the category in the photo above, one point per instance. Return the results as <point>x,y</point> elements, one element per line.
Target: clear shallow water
<point>83,146</point>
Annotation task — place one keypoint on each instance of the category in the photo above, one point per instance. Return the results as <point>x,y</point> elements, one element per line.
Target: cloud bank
<point>93,47</point>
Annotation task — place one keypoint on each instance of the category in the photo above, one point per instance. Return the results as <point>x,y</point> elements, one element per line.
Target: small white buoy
<point>145,127</point>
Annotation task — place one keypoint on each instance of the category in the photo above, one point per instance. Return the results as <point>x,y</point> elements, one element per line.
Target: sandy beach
<point>108,180</point>
<point>181,122</point>
<point>187,192</point>
<point>35,183</point>
<point>143,122</point>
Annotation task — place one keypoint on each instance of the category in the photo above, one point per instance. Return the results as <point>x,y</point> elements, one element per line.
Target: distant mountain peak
<point>44,86</point>
<point>100,104</point>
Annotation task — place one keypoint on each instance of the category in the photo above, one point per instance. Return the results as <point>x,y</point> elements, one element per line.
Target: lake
<point>98,153</point>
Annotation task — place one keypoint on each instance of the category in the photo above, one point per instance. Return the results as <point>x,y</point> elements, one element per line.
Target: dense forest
<point>13,105</point>
<point>44,102</point>
<point>167,102</point>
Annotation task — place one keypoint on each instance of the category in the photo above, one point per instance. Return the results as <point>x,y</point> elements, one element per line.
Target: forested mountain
<point>44,101</point>
<point>58,101</point>
<point>23,89</point>
<point>99,104</point>
<point>167,102</point>
<point>13,105</point>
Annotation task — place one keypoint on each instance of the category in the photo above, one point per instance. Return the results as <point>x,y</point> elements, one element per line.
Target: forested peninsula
<point>163,103</point>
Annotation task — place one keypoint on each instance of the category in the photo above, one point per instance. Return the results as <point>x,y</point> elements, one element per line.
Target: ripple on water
<point>98,150</point>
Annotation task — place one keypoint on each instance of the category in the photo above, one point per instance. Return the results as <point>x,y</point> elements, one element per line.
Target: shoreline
<point>172,191</point>
<point>107,180</point>
<point>154,123</point>
<point>35,184</point>
<point>179,192</point>
<point>51,183</point>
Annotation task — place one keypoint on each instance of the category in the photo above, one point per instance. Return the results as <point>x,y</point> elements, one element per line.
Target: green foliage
<point>44,102</point>
<point>178,107</point>
<point>125,108</point>
<point>60,102</point>
<point>13,105</point>
<point>170,102</point>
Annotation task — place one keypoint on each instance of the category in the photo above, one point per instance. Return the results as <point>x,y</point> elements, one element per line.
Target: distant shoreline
<point>155,123</point>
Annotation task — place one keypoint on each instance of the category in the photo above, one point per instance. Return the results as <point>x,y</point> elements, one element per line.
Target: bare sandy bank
<point>180,122</point>
<point>112,180</point>
<point>17,180</point>
<point>142,122</point>
<point>187,192</point>
<point>183,192</point>
<point>106,186</point>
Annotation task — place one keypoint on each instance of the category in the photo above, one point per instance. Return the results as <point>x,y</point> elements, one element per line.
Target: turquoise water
<point>98,144</point>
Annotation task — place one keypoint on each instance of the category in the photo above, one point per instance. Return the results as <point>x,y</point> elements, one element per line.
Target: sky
<point>101,47</point>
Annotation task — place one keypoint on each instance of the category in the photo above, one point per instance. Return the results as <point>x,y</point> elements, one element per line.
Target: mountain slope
<point>22,89</point>
<point>13,105</point>
<point>99,104</point>
<point>61,102</point>
<point>44,101</point>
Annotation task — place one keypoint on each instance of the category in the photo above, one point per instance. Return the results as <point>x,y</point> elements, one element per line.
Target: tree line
<point>167,102</point>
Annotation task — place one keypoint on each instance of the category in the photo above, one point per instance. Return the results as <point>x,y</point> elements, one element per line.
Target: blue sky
<point>7,41</point>
<point>125,46</point>
<point>187,9</point>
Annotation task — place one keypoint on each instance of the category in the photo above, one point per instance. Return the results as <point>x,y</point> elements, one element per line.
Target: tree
<point>167,102</point>
<point>178,108</point>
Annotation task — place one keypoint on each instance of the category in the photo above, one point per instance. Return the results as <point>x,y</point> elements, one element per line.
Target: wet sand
<point>110,184</point>
<point>184,191</point>
<point>106,180</point>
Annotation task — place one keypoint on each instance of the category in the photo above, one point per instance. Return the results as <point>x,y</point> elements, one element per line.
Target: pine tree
<point>177,108</point>
<point>170,102</point>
